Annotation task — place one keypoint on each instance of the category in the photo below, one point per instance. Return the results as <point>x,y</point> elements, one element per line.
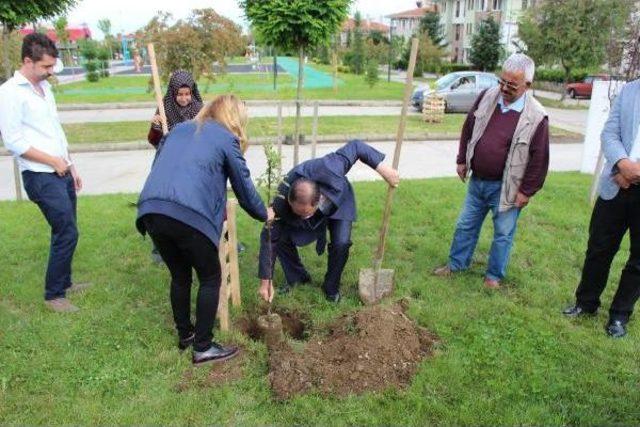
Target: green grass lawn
<point>246,86</point>
<point>82,133</point>
<point>555,103</point>
<point>506,357</point>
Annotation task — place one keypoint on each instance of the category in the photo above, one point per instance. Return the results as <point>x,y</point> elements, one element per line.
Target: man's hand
<point>621,181</point>
<point>389,174</point>
<point>77,181</point>
<point>461,170</point>
<point>266,290</point>
<point>521,200</point>
<point>629,170</point>
<point>271,215</point>
<point>60,165</point>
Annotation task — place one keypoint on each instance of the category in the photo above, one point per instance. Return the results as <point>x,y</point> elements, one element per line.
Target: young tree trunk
<point>6,63</point>
<point>567,77</point>
<point>5,53</point>
<point>296,136</point>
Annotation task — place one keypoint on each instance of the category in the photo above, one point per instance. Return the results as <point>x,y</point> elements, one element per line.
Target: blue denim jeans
<point>483,196</point>
<point>56,198</point>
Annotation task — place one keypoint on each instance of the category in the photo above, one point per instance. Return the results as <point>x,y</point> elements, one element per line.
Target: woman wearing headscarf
<point>182,102</point>
<point>182,208</point>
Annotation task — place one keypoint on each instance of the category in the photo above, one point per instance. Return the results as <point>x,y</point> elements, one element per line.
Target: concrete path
<point>126,171</point>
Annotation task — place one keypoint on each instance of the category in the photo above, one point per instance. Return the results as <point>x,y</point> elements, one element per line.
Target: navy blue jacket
<point>329,172</point>
<point>188,180</point>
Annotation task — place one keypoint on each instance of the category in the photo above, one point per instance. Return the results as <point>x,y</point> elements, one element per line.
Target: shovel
<point>376,283</point>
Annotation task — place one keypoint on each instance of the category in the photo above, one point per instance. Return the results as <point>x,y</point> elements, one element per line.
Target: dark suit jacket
<point>329,172</point>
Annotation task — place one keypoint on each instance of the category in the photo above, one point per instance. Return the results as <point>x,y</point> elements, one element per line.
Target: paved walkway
<point>126,171</point>
<point>571,120</point>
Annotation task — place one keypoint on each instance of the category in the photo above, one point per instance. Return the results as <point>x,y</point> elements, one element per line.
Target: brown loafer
<point>61,305</point>
<point>491,284</point>
<point>77,287</point>
<point>444,271</point>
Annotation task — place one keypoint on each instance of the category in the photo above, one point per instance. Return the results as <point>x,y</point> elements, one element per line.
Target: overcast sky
<point>129,15</point>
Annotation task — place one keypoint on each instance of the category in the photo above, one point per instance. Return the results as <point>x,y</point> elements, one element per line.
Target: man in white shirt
<point>31,131</point>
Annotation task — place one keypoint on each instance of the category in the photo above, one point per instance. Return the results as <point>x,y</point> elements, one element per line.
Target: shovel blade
<point>367,289</point>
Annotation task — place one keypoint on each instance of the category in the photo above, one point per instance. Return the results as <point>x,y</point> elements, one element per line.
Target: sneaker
<point>77,287</point>
<point>215,353</point>
<point>61,305</point>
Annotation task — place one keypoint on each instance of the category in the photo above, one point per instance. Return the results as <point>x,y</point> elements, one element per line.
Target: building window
<point>497,4</point>
<point>458,9</point>
<point>470,4</point>
<point>458,31</point>
<point>524,4</point>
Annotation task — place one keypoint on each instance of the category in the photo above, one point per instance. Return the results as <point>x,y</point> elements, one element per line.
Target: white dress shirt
<point>30,120</point>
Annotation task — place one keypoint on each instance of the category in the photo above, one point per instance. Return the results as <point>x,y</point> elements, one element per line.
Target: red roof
<point>414,13</point>
<point>75,33</point>
<point>366,26</point>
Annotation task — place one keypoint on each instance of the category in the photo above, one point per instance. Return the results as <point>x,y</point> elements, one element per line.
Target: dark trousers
<point>56,198</point>
<point>183,249</point>
<point>609,223</point>
<point>284,249</point>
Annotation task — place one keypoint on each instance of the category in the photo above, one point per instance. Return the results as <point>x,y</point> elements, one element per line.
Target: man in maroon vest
<point>505,147</point>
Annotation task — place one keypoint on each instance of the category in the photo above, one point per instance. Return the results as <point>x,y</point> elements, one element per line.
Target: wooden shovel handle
<point>408,89</point>
<point>156,87</point>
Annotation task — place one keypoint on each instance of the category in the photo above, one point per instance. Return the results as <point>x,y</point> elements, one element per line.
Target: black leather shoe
<point>184,343</point>
<point>577,311</point>
<point>335,298</point>
<point>216,353</point>
<point>285,288</point>
<point>616,328</point>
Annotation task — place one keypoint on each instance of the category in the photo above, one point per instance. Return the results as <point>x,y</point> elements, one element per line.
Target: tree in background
<point>195,44</point>
<point>372,74</point>
<point>297,25</point>
<point>358,55</point>
<point>430,24</point>
<point>486,49</point>
<point>60,25</point>
<point>571,33</point>
<point>14,14</point>
<point>89,51</point>
<point>110,42</point>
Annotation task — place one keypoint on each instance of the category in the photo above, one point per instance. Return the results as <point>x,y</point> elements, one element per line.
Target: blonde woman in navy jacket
<point>182,208</point>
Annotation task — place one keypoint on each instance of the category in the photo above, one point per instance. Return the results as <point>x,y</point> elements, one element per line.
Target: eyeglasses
<point>509,85</point>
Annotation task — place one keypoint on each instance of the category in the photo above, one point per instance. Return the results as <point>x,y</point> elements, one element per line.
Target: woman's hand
<point>156,120</point>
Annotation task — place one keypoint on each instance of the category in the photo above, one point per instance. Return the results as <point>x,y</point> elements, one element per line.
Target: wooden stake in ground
<point>156,87</point>
<point>376,283</point>
<point>280,137</point>
<point>314,131</point>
